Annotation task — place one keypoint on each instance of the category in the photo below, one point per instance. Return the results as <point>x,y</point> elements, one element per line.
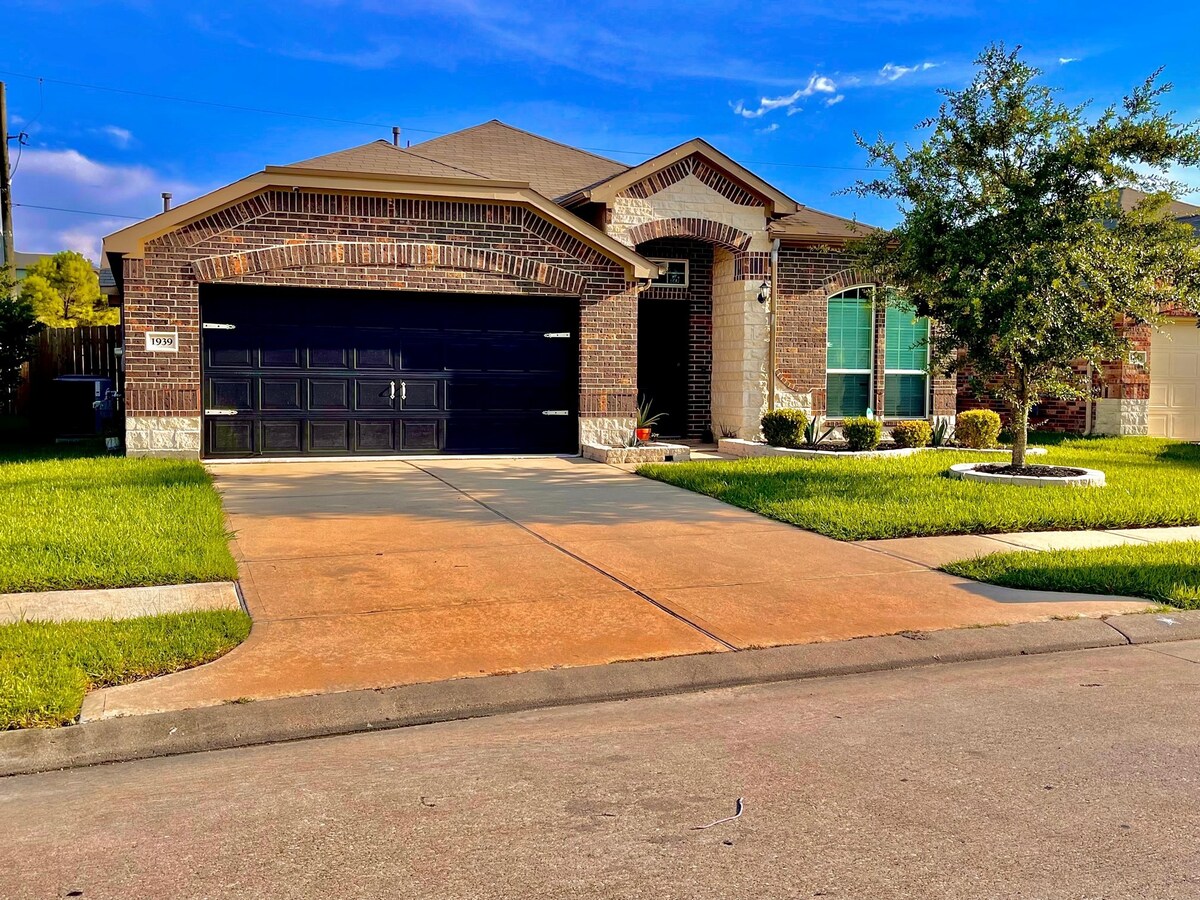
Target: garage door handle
<point>391,390</point>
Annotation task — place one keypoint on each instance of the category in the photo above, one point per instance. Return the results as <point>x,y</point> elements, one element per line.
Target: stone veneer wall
<point>698,296</point>
<point>740,349</point>
<point>312,239</point>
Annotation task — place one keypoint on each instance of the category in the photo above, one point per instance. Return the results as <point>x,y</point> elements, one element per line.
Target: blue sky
<point>782,87</point>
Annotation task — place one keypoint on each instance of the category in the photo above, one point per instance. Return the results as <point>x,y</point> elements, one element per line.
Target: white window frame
<point>687,274</point>
<point>870,373</point>
<point>925,371</point>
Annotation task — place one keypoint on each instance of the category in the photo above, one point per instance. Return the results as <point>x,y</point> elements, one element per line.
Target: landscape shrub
<point>784,427</point>
<point>977,429</point>
<point>916,433</point>
<point>862,433</point>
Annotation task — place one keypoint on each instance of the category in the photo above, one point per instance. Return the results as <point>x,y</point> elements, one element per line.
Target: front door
<point>663,363</point>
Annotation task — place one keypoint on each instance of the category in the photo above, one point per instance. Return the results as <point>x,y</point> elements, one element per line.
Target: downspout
<point>771,328</point>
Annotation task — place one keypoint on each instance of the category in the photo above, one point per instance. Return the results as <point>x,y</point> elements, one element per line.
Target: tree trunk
<point>1020,423</point>
<point>1020,434</point>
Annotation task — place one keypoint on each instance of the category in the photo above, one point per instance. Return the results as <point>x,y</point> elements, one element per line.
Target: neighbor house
<point>493,291</point>
<point>1154,391</point>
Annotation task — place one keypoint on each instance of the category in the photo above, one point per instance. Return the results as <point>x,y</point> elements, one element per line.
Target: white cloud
<point>834,101</point>
<point>893,72</point>
<point>122,137</point>
<point>817,84</point>
<point>1067,60</point>
<point>68,180</point>
<point>774,126</point>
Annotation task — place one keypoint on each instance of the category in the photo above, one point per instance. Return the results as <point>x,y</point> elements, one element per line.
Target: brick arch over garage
<point>351,254</point>
<point>702,229</point>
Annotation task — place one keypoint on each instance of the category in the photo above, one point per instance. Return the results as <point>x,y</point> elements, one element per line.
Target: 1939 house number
<point>162,342</point>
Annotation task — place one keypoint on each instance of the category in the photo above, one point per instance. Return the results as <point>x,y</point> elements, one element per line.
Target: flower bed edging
<point>966,471</point>
<point>739,447</point>
<point>644,453</point>
<point>743,448</point>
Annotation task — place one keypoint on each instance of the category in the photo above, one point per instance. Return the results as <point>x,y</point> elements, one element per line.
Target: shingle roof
<point>496,150</point>
<point>812,223</point>
<point>1131,197</point>
<point>382,158</point>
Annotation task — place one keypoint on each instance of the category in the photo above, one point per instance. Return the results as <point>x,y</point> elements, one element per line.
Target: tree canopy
<point>18,326</point>
<point>64,292</point>
<point>1014,240</point>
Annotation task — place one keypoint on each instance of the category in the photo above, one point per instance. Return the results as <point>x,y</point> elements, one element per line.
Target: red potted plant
<point>644,423</point>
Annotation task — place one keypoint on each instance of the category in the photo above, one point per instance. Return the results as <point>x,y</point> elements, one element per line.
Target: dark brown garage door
<point>304,372</point>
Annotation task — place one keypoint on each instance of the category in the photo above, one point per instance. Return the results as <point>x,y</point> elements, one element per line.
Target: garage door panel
<point>1175,382</point>
<point>374,358</point>
<point>282,436</point>
<point>329,394</point>
<point>281,394</point>
<point>422,395</point>
<point>375,437</point>
<point>231,393</point>
<point>373,394</point>
<point>231,436</point>
<point>329,436</point>
<point>384,372</point>
<point>230,357</point>
<point>421,351</point>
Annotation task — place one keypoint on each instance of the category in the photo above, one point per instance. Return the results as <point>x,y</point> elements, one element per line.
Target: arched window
<point>849,352</point>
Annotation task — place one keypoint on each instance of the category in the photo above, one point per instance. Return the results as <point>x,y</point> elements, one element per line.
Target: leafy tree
<point>64,291</point>
<point>1013,240</point>
<point>18,327</point>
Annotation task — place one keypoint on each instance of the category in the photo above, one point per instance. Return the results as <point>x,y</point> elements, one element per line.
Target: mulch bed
<point>1030,471</point>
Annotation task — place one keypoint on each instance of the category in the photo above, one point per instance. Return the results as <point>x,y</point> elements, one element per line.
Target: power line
<point>276,112</point>
<point>81,212</point>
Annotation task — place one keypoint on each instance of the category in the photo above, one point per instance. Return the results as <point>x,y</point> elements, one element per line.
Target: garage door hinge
<point>557,334</point>
<point>219,326</point>
<point>220,412</point>
<point>555,412</point>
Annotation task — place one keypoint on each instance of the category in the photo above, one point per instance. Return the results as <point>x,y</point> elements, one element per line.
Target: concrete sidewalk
<point>366,575</point>
<point>937,551</point>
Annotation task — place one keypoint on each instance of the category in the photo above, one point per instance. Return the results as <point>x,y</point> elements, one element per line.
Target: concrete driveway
<point>369,574</point>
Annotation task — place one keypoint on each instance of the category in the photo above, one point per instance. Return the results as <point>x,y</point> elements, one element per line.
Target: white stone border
<point>643,453</point>
<point>1089,478</point>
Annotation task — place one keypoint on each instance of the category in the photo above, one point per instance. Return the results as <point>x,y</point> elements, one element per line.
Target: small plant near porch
<point>644,421</point>
<point>1013,240</point>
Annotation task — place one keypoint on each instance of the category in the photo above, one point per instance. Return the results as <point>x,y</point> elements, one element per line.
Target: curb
<point>297,718</point>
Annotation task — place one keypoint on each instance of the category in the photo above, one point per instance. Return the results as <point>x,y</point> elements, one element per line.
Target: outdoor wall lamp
<point>764,292</point>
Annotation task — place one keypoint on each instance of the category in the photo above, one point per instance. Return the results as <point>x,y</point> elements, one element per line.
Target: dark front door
<point>663,362</point>
<point>294,372</point>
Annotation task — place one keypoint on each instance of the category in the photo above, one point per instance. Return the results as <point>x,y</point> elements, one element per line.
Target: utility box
<point>82,405</point>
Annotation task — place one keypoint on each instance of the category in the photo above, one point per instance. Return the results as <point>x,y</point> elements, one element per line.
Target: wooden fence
<point>91,350</point>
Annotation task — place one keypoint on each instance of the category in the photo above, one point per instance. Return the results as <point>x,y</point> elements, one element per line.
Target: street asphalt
<point>1066,775</point>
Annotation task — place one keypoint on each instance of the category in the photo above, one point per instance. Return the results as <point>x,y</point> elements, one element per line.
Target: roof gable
<point>697,157</point>
<point>497,150</point>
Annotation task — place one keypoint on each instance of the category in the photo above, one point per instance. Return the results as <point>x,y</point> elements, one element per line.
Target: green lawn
<point>1166,573</point>
<point>1151,482</point>
<point>72,519</point>
<point>47,667</point>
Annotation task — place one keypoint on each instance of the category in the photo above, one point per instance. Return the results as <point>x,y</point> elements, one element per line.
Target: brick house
<point>1154,391</point>
<point>492,291</point>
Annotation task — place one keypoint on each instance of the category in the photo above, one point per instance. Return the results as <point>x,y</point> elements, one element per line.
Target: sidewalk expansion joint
<point>662,607</point>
